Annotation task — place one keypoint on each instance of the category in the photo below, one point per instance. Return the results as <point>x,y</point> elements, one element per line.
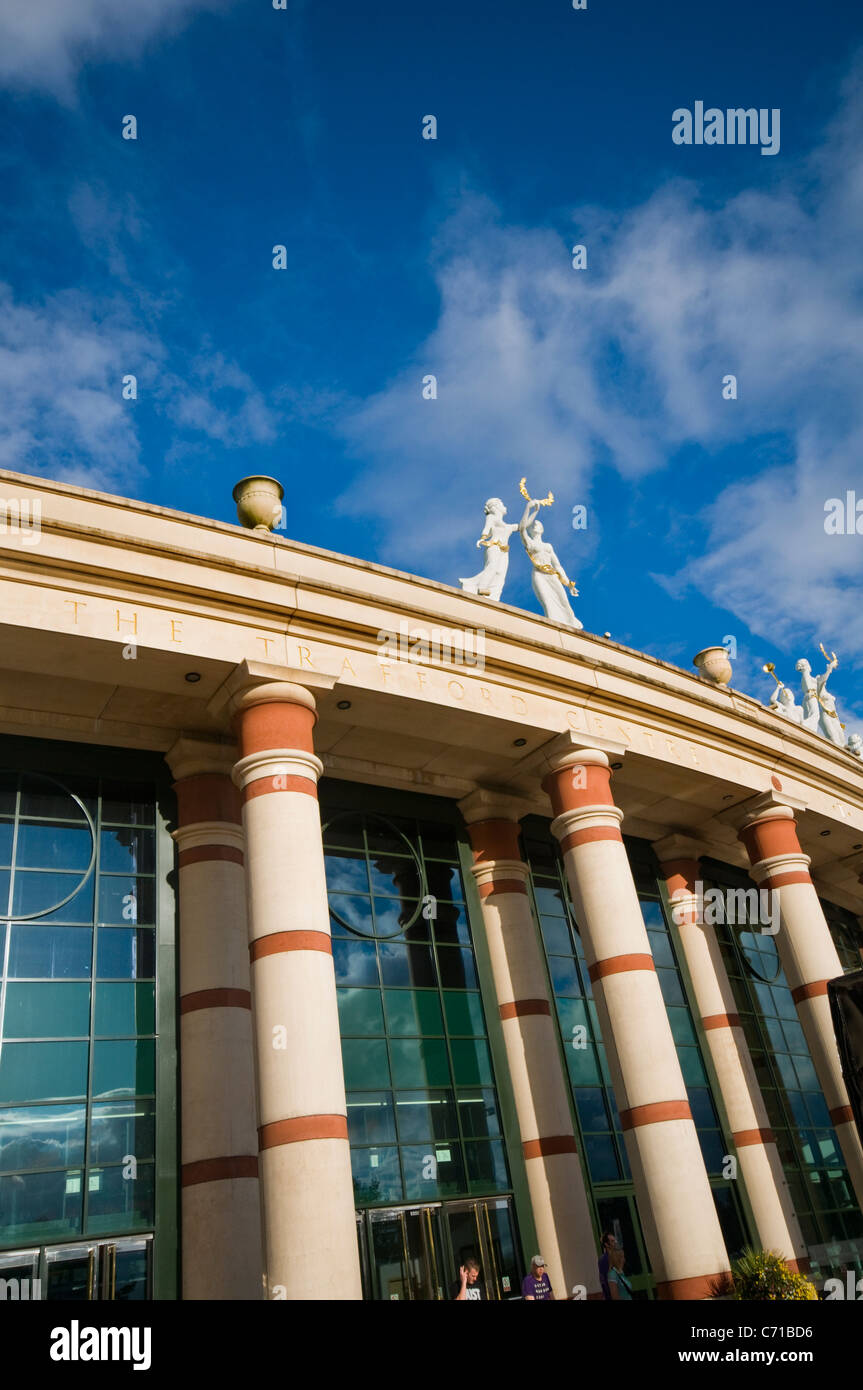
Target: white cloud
<point>61,407</point>
<point>219,400</point>
<point>44,43</point>
<point>62,412</point>
<point>554,372</point>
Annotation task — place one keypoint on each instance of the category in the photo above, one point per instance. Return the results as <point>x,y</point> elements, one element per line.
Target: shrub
<point>762,1275</point>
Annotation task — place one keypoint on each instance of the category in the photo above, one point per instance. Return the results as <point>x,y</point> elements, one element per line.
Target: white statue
<point>819,707</point>
<point>782,700</point>
<point>855,745</point>
<point>549,576</point>
<point>495,541</point>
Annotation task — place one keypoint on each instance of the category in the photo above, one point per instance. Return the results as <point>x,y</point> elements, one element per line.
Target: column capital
<point>196,755</point>
<point>262,682</point>
<point>673,848</point>
<point>492,803</point>
<point>767,805</point>
<point>569,748</point>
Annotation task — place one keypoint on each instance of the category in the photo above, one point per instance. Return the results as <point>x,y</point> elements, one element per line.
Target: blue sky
<point>302,127</point>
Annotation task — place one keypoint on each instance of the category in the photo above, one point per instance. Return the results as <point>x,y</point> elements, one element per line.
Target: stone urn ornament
<point>713,665</point>
<point>259,502</point>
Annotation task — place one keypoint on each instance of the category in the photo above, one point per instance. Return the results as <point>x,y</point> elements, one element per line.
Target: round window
<point>375,879</point>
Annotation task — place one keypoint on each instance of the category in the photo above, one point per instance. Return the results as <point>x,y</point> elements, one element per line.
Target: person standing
<point>619,1287</point>
<point>536,1286</point>
<point>609,1243</point>
<point>466,1288</point>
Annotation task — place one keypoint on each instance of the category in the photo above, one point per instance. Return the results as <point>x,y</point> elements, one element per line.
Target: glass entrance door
<point>112,1270</point>
<point>413,1254</point>
<point>400,1251</point>
<point>485,1231</point>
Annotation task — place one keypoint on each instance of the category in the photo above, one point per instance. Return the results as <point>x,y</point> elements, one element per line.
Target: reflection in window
<point>422,1110</point>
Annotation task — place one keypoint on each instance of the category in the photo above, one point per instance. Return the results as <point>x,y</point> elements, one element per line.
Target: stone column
<point>754,1142</point>
<point>806,950</point>
<point>310,1236</point>
<point>558,1198</point>
<point>681,1227</point>
<point>221,1219</point>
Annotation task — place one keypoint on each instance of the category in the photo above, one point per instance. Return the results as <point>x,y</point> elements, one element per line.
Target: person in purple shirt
<point>609,1243</point>
<point>536,1286</point>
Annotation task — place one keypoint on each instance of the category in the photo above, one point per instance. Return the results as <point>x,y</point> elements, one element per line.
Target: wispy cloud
<point>217,399</point>
<point>61,407</point>
<point>44,43</point>
<point>64,358</point>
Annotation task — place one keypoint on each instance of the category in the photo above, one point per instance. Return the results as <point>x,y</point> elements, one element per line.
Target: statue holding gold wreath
<point>550,580</point>
<point>817,713</point>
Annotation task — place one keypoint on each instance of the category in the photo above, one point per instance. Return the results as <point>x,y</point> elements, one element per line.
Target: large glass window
<point>817,1176</point>
<point>847,936</point>
<point>77,1007</point>
<point>422,1107</point>
<point>602,1140</point>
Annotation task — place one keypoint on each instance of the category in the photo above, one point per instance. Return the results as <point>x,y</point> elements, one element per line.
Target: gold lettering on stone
<point>622,729</point>
<point>266,641</point>
<point>485,694</point>
<point>519,704</point>
<point>76,604</point>
<point>575,719</point>
<point>422,679</point>
<point>305,655</point>
<point>385,671</point>
<point>176,625</point>
<point>449,687</point>
<point>133,620</point>
<point>346,665</point>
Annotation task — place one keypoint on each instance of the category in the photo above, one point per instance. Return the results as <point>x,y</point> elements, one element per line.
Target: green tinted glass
<point>116,1200</point>
<point>377,1176</point>
<point>420,1062</point>
<point>471,1062</point>
<point>47,1011</point>
<point>124,1010</point>
<point>464,1014</point>
<point>43,1071</point>
<point>123,1068</point>
<point>413,1012</point>
<point>360,1012</point>
<point>366,1065</point>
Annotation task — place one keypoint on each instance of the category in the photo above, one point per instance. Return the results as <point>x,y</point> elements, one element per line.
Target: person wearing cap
<point>536,1285</point>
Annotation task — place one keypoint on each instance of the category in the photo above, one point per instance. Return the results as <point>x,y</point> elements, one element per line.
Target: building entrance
<point>414,1253</point>
<point>116,1269</point>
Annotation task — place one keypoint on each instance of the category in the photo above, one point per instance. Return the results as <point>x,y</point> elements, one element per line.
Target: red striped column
<point>221,1220</point>
<point>681,1227</point>
<point>309,1220</point>
<point>808,955</point>
<point>558,1198</point>
<point>754,1142</point>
